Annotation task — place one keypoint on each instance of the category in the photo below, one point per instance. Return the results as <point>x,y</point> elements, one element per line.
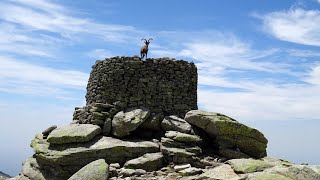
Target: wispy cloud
<point>99,53</point>
<point>303,53</point>
<point>38,30</point>
<point>295,25</point>
<point>247,83</point>
<point>46,16</point>
<point>261,100</point>
<point>21,77</point>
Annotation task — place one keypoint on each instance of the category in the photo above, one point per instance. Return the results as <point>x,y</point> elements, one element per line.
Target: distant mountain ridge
<point>2,174</point>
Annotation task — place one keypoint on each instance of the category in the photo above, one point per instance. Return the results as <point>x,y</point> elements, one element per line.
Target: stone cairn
<point>141,122</point>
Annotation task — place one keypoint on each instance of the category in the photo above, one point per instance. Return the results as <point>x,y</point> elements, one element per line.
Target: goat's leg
<point>146,55</point>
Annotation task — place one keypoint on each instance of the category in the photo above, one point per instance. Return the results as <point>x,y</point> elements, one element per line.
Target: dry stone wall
<point>162,85</point>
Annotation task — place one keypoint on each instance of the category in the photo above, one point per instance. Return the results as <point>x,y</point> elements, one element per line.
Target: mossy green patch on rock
<point>266,176</point>
<point>248,165</point>
<point>183,137</point>
<point>39,144</point>
<point>73,133</point>
<point>295,172</point>
<point>97,170</point>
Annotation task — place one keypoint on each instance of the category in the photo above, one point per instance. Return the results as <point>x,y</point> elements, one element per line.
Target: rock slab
<point>73,133</point>
<point>229,133</point>
<point>148,162</point>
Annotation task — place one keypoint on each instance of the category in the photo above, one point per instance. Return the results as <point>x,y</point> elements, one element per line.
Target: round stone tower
<point>162,85</point>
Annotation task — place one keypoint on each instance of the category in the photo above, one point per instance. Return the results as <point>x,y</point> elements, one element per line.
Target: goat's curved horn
<point>144,40</point>
<point>150,39</point>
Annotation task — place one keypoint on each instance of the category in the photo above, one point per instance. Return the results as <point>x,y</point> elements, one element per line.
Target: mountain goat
<point>144,49</point>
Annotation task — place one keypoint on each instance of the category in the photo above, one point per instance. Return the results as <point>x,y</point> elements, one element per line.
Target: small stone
<point>181,167</point>
<point>190,171</point>
<point>48,131</point>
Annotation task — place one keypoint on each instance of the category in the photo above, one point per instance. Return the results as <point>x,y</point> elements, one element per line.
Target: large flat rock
<point>248,165</point>
<point>229,133</point>
<point>79,154</point>
<point>73,133</point>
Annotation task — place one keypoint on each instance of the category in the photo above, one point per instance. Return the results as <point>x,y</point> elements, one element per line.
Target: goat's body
<point>144,51</point>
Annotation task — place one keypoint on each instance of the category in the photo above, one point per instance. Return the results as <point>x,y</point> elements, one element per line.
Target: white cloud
<point>295,25</point>
<point>47,16</point>
<point>303,53</point>
<point>266,101</point>
<point>228,68</point>
<point>99,53</point>
<point>26,78</point>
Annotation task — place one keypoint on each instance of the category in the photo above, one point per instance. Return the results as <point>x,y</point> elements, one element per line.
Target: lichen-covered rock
<point>183,137</point>
<point>222,172</point>
<point>33,169</point>
<point>295,172</point>
<point>126,121</point>
<point>248,165</point>
<point>96,170</point>
<point>73,133</point>
<point>79,154</point>
<point>174,123</point>
<point>266,176</point>
<point>277,162</point>
<point>229,133</point>
<point>148,162</point>
<point>316,168</point>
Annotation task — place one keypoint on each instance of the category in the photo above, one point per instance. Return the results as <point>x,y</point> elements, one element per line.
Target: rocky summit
<point>141,122</point>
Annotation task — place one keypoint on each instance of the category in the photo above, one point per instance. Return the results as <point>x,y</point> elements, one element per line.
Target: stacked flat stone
<point>163,85</point>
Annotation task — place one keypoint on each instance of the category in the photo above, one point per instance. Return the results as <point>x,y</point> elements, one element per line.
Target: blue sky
<point>258,61</point>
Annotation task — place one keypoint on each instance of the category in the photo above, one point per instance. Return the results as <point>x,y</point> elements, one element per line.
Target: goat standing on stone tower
<point>144,49</point>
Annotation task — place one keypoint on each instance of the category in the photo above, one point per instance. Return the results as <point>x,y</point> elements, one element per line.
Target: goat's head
<point>147,42</point>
